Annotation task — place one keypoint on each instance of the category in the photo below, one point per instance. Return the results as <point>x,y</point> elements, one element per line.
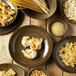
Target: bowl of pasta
<point>38,72</point>
<point>65,54</point>
<point>11,70</point>
<point>8,13</point>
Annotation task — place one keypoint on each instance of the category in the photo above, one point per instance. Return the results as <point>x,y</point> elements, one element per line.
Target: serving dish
<point>28,74</point>
<point>19,71</point>
<point>52,4</point>
<point>57,59</point>
<point>12,7</point>
<point>15,46</point>
<point>62,12</point>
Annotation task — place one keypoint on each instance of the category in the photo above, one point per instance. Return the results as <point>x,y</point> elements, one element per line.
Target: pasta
<point>29,53</point>
<point>6,13</point>
<point>33,43</point>
<point>38,73</point>
<point>10,72</point>
<point>68,54</point>
<point>25,41</point>
<point>36,5</point>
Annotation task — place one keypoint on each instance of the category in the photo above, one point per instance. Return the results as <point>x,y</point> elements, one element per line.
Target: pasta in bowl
<point>68,54</point>
<point>8,13</point>
<point>65,54</point>
<point>11,70</point>
<point>38,72</point>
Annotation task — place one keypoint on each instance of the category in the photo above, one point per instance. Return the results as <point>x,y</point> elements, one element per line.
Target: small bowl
<point>52,4</point>
<point>57,20</point>
<point>12,7</point>
<point>29,73</point>
<point>62,12</point>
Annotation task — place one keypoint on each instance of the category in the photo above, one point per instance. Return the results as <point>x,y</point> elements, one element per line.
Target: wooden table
<point>50,66</point>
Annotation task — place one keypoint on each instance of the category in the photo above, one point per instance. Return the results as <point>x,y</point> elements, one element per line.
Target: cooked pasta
<point>25,41</point>
<point>33,44</point>
<point>29,53</point>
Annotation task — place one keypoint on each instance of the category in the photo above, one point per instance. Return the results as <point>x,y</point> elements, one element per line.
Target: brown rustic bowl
<point>29,73</point>
<point>57,59</point>
<point>62,12</point>
<point>15,46</point>
<point>52,4</point>
<point>19,71</point>
<point>56,20</point>
<point>12,7</point>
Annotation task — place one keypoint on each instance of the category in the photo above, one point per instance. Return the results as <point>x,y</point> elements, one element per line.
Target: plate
<point>19,71</point>
<point>57,59</point>
<point>15,46</point>
<point>12,7</point>
<point>52,4</point>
